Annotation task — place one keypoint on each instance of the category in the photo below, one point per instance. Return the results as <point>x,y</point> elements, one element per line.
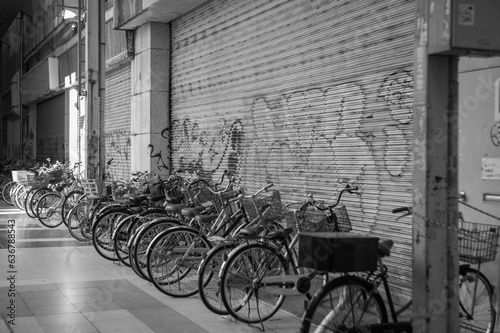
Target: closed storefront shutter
<point>117,121</point>
<point>310,95</point>
<point>50,122</point>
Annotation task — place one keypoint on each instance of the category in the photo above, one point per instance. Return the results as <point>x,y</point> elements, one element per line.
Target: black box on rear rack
<point>338,251</point>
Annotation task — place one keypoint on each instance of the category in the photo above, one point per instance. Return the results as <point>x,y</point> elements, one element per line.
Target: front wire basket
<point>314,220</point>
<point>477,243</point>
<point>271,202</point>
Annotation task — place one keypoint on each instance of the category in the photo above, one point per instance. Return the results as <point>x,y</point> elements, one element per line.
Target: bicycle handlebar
<point>402,209</point>
<point>348,188</point>
<point>251,196</point>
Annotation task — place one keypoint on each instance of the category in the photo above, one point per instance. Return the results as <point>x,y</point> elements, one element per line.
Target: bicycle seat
<point>251,233</point>
<point>137,199</point>
<point>207,219</point>
<point>176,209</point>
<point>175,200</point>
<point>280,234</point>
<point>384,247</point>
<point>192,212</point>
<point>155,198</point>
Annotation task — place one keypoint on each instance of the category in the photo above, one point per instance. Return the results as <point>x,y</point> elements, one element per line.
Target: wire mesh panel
<point>269,205</point>
<point>94,187</point>
<point>22,175</point>
<point>477,243</point>
<point>314,220</point>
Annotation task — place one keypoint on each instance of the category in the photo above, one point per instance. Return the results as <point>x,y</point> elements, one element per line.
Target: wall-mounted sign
<point>490,169</point>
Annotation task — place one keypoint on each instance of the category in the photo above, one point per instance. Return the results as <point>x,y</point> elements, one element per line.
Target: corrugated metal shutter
<point>50,122</point>
<point>306,94</point>
<point>117,120</point>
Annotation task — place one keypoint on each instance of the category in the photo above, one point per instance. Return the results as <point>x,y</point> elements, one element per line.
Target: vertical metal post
<point>79,84</point>
<point>102,86</point>
<point>92,88</point>
<point>435,252</point>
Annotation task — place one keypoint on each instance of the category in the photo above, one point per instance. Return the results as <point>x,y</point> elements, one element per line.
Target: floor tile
<point>79,327</point>
<point>46,301</point>
<point>60,318</point>
<point>98,306</point>
<point>124,325</point>
<point>41,294</point>
<point>53,309</point>
<point>106,315</point>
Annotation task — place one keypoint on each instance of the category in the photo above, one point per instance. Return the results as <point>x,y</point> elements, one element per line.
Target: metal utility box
<point>468,27</point>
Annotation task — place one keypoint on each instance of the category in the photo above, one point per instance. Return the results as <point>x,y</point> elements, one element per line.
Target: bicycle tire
<point>19,196</point>
<point>168,249</point>
<point>144,237</point>
<point>13,192</point>
<point>243,295</point>
<point>70,201</point>
<point>102,231</point>
<point>35,198</point>
<point>79,222</point>
<point>477,310</point>
<point>133,229</point>
<point>120,240</point>
<point>102,207</point>
<point>208,278</point>
<point>27,200</point>
<point>325,312</point>
<point>47,210</point>
<point>6,192</point>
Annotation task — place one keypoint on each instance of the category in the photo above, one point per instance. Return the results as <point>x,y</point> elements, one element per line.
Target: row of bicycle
<point>244,253</point>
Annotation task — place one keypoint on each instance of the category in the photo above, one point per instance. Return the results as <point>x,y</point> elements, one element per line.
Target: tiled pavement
<point>59,285</point>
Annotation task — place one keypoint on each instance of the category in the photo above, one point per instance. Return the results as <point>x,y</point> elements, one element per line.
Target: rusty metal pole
<point>435,178</point>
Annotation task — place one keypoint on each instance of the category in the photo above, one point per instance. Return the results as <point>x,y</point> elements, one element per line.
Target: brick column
<point>151,99</point>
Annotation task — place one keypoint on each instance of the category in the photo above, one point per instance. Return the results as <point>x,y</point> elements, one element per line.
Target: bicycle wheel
<point>242,279</point>
<point>34,200</point>
<point>79,222</point>
<point>20,195</point>
<point>102,231</point>
<point>70,201</point>
<point>48,210</point>
<point>173,258</point>
<point>477,311</point>
<point>144,237</point>
<point>345,304</point>
<point>208,278</point>
<point>6,192</point>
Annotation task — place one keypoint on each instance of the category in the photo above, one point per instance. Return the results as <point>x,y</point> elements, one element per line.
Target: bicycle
<point>352,303</point>
<point>261,212</point>
<point>107,223</point>
<point>174,255</point>
<point>256,276</point>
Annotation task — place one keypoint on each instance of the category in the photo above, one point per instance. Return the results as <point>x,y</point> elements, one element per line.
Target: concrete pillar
<point>435,179</point>
<point>151,99</point>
